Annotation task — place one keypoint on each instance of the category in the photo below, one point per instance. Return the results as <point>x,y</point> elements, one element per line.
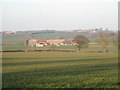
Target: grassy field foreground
<point>60,70</point>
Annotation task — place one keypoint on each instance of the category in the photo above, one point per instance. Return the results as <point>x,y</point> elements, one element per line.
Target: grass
<point>60,70</point>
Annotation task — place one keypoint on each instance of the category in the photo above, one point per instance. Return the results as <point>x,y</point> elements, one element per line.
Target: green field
<point>88,68</point>
<point>60,70</point>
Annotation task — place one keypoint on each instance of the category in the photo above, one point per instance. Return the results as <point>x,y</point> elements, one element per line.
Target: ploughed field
<point>60,70</point>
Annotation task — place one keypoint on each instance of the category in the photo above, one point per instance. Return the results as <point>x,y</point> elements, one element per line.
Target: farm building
<point>42,43</point>
<point>56,42</point>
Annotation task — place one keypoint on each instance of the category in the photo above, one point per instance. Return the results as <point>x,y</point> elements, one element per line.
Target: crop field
<point>60,70</point>
<point>92,67</point>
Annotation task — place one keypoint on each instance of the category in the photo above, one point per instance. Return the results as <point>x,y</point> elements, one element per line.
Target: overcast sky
<point>59,14</point>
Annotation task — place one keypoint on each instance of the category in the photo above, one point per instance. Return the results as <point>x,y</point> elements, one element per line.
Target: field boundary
<point>36,50</point>
<point>49,51</point>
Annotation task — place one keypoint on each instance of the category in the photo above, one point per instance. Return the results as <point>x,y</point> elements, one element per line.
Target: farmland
<point>17,41</point>
<point>92,67</point>
<point>60,70</point>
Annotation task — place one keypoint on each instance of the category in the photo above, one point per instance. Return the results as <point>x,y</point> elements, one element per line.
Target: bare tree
<point>82,41</point>
<point>104,38</point>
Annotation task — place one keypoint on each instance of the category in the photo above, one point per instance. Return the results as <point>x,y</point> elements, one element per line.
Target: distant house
<point>42,43</point>
<point>39,45</point>
<point>9,32</point>
<point>57,42</point>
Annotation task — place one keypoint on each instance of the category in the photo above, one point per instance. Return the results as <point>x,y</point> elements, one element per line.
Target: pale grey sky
<point>59,14</point>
